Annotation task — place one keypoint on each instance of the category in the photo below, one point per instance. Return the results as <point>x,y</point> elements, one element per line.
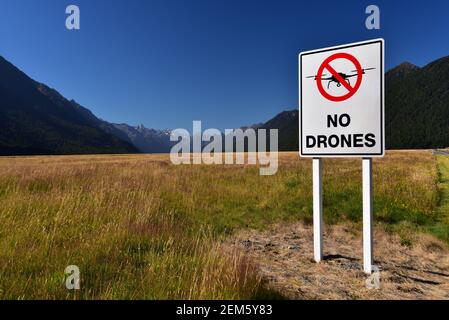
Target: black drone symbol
<point>332,78</point>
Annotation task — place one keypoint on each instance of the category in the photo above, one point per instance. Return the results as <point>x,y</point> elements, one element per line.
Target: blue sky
<point>226,62</point>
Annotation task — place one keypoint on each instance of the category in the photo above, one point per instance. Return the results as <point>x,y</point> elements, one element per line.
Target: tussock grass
<point>140,227</point>
<point>441,226</point>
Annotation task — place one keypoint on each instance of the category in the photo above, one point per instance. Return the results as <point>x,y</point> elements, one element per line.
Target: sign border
<point>382,101</point>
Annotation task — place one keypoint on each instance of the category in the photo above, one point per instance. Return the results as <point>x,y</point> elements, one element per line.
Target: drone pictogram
<point>332,78</point>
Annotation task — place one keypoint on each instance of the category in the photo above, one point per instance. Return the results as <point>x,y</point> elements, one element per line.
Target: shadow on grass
<point>266,293</point>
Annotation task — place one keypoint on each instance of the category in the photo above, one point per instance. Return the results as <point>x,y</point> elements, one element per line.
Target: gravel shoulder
<point>283,255</point>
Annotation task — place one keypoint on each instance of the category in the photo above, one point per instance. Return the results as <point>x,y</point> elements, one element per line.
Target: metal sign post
<point>367,165</point>
<point>317,210</point>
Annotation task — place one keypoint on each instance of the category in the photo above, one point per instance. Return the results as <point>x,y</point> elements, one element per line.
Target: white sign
<point>341,101</point>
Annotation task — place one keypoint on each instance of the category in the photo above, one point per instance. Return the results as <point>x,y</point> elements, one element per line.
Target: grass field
<point>139,227</point>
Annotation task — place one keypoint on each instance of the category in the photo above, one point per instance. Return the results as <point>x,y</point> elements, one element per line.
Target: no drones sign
<point>341,94</point>
<point>341,114</point>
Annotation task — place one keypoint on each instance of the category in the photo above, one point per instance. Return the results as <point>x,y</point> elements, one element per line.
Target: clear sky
<point>226,62</point>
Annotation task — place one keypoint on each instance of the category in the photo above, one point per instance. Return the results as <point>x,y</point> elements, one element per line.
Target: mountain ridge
<point>146,139</point>
<point>37,119</point>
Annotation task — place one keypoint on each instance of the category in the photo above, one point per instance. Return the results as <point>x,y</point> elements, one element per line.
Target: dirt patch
<point>284,256</point>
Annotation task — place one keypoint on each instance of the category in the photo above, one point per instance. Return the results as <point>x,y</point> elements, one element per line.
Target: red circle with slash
<point>351,89</point>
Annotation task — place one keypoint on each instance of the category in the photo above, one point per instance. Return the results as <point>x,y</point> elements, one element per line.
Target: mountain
<point>401,71</point>
<point>417,106</point>
<point>145,139</point>
<point>416,109</point>
<point>287,124</point>
<point>36,119</point>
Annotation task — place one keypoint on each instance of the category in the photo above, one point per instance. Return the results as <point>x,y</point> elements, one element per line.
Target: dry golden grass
<point>140,227</point>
